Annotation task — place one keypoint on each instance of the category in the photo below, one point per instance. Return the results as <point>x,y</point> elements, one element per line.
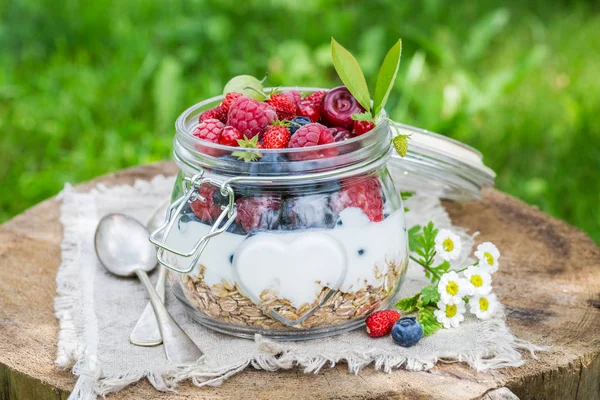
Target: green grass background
<point>88,87</point>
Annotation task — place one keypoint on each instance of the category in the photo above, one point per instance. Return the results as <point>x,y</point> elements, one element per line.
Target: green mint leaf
<point>400,143</point>
<point>430,295</point>
<point>366,116</point>
<point>350,73</point>
<point>427,319</point>
<point>412,237</point>
<point>386,77</point>
<point>408,304</point>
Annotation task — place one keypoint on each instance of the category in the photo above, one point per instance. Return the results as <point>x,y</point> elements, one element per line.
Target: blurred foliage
<point>92,87</point>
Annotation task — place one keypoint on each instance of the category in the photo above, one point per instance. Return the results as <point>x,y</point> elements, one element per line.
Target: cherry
<point>307,109</point>
<point>340,134</point>
<point>337,107</point>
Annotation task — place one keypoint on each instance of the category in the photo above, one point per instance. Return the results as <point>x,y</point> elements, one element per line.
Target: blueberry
<point>361,252</point>
<point>407,332</point>
<point>269,164</point>
<point>230,158</point>
<point>297,123</point>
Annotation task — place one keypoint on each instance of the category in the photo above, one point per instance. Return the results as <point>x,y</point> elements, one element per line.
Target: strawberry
<point>380,323</point>
<point>364,193</point>
<point>286,109</point>
<point>276,137</point>
<point>228,101</point>
<point>213,113</point>
<point>230,136</point>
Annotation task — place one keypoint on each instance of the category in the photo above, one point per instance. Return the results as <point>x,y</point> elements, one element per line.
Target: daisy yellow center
<point>488,258</point>
<point>448,245</point>
<point>476,280</point>
<point>452,288</point>
<point>484,304</point>
<point>450,310</point>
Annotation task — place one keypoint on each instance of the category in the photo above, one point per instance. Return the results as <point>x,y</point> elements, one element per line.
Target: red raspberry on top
<point>207,210</point>
<point>286,109</point>
<point>311,135</point>
<point>228,101</point>
<point>293,95</point>
<point>315,98</point>
<point>258,212</point>
<point>364,193</point>
<point>276,137</point>
<point>380,323</point>
<point>250,117</point>
<point>209,130</point>
<point>213,113</point>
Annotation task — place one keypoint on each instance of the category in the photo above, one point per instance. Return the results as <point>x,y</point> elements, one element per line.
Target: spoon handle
<point>179,348</point>
<point>146,332</point>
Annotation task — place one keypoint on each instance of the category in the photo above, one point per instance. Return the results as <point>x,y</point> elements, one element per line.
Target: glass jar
<point>298,244</point>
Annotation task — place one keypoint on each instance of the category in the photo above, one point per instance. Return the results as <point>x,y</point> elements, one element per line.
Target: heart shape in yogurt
<point>294,265</point>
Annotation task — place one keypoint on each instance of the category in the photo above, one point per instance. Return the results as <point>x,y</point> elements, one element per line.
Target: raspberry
<point>293,95</point>
<point>311,135</point>
<point>258,212</point>
<point>228,101</point>
<point>276,137</point>
<point>364,193</point>
<point>361,127</point>
<point>308,109</point>
<point>209,130</point>
<point>286,109</point>
<point>230,136</point>
<point>315,98</point>
<point>208,211</point>
<point>380,323</point>
<point>250,117</point>
<point>213,113</point>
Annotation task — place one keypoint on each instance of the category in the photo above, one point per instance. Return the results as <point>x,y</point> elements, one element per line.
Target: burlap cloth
<point>97,312</point>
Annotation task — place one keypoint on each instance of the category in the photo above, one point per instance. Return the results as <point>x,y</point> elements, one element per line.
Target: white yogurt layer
<point>297,264</point>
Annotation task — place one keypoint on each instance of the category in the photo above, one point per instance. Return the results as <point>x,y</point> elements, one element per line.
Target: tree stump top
<point>549,282</point>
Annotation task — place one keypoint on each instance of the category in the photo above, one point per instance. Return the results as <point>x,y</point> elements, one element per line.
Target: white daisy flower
<point>488,256</point>
<point>479,279</point>
<point>452,288</point>
<point>447,245</point>
<point>450,315</point>
<point>484,306</point>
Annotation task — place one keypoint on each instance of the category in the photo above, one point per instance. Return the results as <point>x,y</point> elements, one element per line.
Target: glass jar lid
<point>439,166</point>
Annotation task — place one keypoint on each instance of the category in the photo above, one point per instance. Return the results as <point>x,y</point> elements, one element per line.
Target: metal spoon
<point>123,249</point>
<point>146,331</point>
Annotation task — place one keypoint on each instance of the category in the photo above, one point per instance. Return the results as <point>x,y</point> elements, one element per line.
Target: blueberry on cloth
<point>407,331</point>
<point>297,123</point>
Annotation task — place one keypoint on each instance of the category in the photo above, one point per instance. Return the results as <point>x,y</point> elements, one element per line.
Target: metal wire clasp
<point>160,235</point>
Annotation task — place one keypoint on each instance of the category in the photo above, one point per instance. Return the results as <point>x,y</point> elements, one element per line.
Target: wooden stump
<point>549,282</point>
